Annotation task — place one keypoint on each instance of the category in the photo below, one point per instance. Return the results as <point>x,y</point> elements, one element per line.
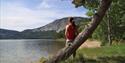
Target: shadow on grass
<point>106,59</point>
<point>112,59</point>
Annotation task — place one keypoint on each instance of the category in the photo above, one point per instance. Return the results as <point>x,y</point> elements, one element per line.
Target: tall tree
<point>112,27</point>
<point>109,30</point>
<point>84,35</point>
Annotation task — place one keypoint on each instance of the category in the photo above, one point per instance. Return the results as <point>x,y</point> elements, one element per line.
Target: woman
<point>70,33</point>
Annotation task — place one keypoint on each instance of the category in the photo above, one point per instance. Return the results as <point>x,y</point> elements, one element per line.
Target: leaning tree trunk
<point>84,35</point>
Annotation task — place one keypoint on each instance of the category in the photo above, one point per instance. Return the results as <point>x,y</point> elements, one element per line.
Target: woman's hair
<point>70,20</point>
<point>73,23</point>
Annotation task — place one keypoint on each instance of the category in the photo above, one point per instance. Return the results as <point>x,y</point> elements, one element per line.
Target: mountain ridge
<point>57,25</point>
<point>49,30</point>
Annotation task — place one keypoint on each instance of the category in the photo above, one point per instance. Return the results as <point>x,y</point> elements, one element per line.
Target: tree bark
<point>109,29</point>
<point>83,36</point>
<point>109,32</point>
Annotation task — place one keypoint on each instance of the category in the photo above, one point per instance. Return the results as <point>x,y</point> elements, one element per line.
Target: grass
<point>105,54</point>
<point>117,50</point>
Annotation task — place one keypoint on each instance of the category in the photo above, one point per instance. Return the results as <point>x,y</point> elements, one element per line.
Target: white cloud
<point>16,16</point>
<point>19,18</point>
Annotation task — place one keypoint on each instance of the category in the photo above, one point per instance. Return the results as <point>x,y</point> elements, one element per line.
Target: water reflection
<point>25,51</point>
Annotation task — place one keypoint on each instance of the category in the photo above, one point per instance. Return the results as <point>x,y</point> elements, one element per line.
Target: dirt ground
<point>90,44</point>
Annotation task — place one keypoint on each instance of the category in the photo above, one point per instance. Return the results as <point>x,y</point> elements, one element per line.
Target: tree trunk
<point>109,29</point>
<point>109,32</point>
<point>84,35</point>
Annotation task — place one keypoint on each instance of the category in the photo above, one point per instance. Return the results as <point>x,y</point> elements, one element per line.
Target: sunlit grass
<point>117,50</point>
<point>105,54</point>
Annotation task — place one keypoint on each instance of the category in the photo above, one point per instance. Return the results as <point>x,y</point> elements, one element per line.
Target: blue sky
<point>28,14</point>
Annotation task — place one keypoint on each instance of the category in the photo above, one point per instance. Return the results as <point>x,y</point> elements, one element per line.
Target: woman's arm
<point>66,31</point>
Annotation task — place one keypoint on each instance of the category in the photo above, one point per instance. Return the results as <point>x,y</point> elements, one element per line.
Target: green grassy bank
<point>105,54</point>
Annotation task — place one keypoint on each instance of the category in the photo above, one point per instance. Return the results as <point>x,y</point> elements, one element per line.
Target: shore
<point>90,44</point>
<point>91,52</point>
<point>87,44</point>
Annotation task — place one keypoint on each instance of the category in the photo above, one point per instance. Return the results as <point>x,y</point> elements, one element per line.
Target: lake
<point>27,50</point>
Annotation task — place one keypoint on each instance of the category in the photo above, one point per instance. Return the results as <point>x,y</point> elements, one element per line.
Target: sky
<point>28,14</point>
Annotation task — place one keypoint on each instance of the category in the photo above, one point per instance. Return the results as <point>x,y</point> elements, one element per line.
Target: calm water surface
<point>27,50</point>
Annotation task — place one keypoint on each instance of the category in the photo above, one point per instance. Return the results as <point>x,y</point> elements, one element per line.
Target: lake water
<point>27,50</point>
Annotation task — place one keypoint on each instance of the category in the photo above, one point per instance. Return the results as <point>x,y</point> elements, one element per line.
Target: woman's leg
<point>74,54</point>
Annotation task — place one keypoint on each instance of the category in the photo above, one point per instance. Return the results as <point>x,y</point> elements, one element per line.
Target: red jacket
<point>70,32</point>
